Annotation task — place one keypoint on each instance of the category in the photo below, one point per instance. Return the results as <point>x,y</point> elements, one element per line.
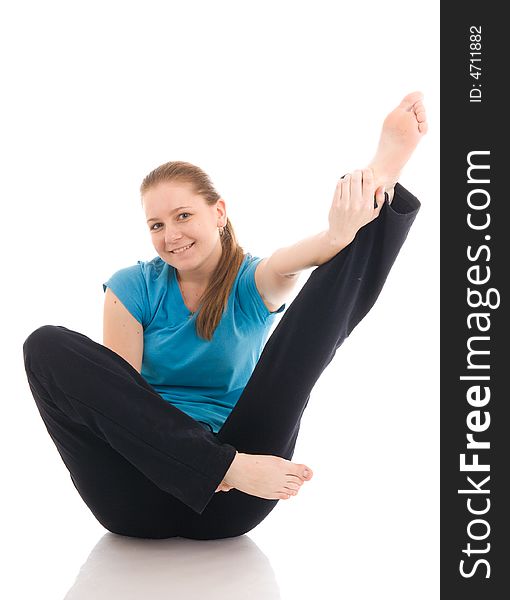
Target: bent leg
<point>119,496</point>
<point>95,404</point>
<point>337,295</point>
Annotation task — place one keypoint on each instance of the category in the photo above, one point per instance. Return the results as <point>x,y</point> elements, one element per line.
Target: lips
<point>182,249</point>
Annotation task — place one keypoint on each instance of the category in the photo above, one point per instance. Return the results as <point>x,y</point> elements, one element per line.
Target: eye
<point>183,214</point>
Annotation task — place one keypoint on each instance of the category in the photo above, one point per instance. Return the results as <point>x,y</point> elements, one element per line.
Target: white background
<point>275,100</point>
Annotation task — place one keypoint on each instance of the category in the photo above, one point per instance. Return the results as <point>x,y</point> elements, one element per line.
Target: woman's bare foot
<point>402,129</point>
<point>270,477</point>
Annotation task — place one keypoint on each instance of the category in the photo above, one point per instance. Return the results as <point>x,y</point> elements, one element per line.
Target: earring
<point>221,230</point>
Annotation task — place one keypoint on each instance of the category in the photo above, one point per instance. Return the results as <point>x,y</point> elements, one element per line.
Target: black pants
<point>145,468</point>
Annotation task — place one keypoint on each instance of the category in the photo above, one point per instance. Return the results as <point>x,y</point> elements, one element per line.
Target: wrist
<point>331,245</point>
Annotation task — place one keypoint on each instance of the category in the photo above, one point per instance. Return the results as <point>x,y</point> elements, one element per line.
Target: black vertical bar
<point>475,259</point>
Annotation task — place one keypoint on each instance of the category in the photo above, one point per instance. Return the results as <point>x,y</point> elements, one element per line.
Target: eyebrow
<point>171,213</point>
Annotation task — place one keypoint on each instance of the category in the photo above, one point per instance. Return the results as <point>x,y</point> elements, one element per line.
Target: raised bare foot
<point>270,477</point>
<point>402,129</point>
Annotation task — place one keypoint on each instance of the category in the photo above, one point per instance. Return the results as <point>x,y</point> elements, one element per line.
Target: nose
<point>172,236</point>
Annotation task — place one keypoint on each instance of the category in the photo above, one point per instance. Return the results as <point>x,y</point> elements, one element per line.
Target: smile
<point>183,249</point>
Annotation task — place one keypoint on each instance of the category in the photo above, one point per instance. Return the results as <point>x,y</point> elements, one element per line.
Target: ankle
<point>230,474</point>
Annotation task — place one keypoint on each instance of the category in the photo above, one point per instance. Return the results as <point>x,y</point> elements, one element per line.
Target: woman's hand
<point>353,206</point>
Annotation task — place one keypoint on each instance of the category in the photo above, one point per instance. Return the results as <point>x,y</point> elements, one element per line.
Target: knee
<point>40,343</point>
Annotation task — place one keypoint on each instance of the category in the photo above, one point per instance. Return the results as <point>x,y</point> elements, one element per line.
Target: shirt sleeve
<point>129,286</point>
<point>249,296</point>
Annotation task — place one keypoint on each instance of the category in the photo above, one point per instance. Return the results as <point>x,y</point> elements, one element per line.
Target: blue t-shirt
<point>202,378</point>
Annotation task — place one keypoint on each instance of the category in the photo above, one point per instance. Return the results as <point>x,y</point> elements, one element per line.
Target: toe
<point>306,472</point>
<point>410,100</point>
<point>282,495</point>
<point>290,485</point>
<point>296,479</point>
<point>417,106</point>
<point>301,471</point>
<point>421,116</point>
<point>423,127</point>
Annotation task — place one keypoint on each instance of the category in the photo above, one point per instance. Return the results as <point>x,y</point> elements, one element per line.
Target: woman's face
<point>183,227</point>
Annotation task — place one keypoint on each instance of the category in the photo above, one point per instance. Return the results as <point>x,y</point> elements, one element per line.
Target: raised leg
<point>337,295</point>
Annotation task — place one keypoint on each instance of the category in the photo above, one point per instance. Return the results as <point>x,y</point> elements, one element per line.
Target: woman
<point>183,401</point>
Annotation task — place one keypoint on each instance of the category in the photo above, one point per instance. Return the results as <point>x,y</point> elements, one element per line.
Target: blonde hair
<point>215,297</point>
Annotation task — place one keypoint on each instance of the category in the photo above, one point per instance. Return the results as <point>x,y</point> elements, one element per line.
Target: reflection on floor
<point>129,568</point>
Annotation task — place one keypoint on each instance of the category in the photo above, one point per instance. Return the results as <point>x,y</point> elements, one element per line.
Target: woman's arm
<point>122,333</point>
<point>310,252</point>
<point>351,209</point>
<point>276,276</point>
